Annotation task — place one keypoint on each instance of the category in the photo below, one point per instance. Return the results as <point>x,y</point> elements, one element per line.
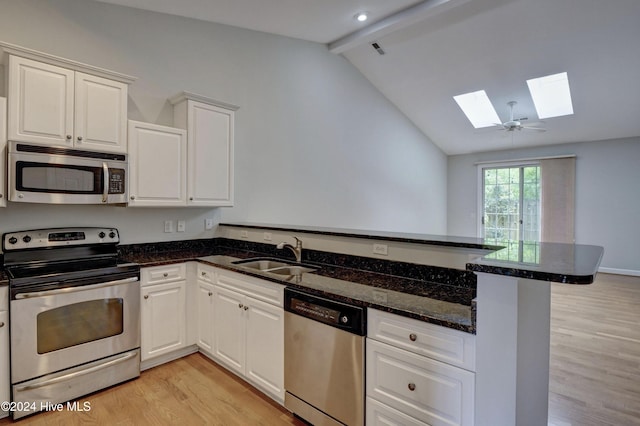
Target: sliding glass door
<point>511,206</point>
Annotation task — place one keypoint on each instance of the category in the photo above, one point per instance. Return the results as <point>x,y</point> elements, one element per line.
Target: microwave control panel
<point>116,181</point>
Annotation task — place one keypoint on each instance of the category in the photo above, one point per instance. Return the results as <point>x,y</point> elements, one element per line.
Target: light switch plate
<point>268,236</point>
<point>168,226</point>
<point>182,226</point>
<point>208,224</point>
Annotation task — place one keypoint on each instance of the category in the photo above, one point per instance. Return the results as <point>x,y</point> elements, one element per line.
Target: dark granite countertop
<point>562,263</point>
<point>431,302</point>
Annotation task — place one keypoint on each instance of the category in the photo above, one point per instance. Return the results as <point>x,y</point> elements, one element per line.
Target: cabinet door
<point>40,102</point>
<point>3,152</point>
<point>100,114</point>
<point>229,328</point>
<point>4,358</point>
<point>157,165</point>
<point>205,316</point>
<point>163,319</point>
<point>265,346</point>
<point>210,150</point>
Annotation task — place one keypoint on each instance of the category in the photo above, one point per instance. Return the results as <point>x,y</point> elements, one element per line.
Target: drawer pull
<point>413,337</point>
<point>245,308</point>
<point>146,296</point>
<point>165,274</point>
<point>412,387</point>
<point>203,273</point>
<point>210,294</point>
<point>240,305</point>
<point>1,324</point>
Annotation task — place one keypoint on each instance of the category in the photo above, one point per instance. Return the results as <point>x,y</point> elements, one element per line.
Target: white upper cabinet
<point>100,113</point>
<point>3,152</point>
<point>40,102</point>
<point>157,165</point>
<point>55,101</point>
<point>210,133</point>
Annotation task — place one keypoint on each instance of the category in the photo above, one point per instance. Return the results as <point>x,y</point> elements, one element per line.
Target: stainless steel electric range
<point>74,315</point>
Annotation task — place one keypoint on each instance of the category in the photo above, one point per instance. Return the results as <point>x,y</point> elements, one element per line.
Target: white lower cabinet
<point>5,383</point>
<point>406,387</point>
<point>249,330</point>
<point>163,310</point>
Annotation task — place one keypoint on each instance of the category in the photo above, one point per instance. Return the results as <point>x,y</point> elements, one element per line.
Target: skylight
<point>478,109</point>
<point>551,95</point>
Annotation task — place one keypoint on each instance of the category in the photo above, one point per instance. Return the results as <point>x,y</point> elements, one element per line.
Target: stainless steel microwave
<point>57,175</point>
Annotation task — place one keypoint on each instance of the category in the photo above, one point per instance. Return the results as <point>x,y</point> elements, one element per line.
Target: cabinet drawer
<point>379,414</point>
<point>253,287</point>
<point>163,274</point>
<point>443,344</point>
<point>4,297</point>
<point>430,391</point>
<point>206,273</point>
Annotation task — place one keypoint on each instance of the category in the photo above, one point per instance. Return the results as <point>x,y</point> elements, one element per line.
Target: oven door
<point>57,329</point>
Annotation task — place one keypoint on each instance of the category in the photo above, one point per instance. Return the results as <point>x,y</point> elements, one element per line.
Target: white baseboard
<point>162,359</point>
<point>630,272</point>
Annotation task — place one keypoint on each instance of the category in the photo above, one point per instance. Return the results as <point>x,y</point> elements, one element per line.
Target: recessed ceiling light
<point>478,109</point>
<point>551,95</point>
<point>361,17</point>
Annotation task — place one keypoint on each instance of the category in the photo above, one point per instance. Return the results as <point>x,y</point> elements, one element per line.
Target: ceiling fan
<point>516,123</point>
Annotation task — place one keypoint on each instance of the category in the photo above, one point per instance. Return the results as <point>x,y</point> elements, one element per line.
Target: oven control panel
<point>58,237</point>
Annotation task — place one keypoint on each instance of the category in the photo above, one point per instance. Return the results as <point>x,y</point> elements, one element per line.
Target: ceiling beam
<point>402,19</point>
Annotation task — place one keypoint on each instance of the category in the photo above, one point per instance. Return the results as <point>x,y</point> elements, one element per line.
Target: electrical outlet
<point>244,234</point>
<point>380,249</point>
<point>268,236</point>
<point>182,226</point>
<point>208,224</point>
<point>379,296</point>
<point>168,226</point>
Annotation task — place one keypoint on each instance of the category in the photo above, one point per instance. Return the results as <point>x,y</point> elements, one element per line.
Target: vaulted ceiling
<point>436,49</point>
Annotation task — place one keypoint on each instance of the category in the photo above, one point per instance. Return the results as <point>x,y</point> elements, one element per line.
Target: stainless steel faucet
<point>297,250</point>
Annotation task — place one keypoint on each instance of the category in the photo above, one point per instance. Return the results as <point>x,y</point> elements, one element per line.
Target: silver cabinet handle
<point>79,138</point>
<point>166,274</point>
<point>75,289</point>
<point>146,296</point>
<point>240,305</point>
<point>133,197</point>
<point>204,274</point>
<point>69,137</point>
<point>246,308</point>
<point>0,195</point>
<point>70,376</point>
<point>210,294</point>
<point>190,198</point>
<point>412,387</point>
<point>1,324</point>
<point>413,337</point>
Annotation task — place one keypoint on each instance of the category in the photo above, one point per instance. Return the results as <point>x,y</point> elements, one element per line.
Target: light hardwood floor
<point>595,353</point>
<point>189,391</point>
<point>594,374</point>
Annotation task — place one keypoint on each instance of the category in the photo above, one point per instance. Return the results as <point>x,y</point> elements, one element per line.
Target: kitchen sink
<point>275,266</point>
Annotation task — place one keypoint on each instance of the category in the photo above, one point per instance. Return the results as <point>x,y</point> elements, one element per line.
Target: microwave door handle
<point>105,182</point>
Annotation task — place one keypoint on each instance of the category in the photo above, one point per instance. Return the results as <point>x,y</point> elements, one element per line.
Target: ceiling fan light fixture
<point>478,109</point>
<point>361,16</point>
<point>551,95</point>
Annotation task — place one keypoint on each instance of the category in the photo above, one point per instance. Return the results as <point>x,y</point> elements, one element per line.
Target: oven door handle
<point>70,376</point>
<point>68,290</point>
<point>105,183</point>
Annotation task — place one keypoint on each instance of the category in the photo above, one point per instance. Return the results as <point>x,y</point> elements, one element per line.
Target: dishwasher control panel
<point>347,317</point>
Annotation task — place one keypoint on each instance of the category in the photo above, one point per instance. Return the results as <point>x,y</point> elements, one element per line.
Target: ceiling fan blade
<point>537,129</point>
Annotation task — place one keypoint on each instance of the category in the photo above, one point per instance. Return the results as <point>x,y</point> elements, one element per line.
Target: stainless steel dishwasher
<point>324,359</point>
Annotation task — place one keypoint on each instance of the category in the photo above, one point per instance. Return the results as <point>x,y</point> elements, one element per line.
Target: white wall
<point>607,197</point>
<point>316,143</point>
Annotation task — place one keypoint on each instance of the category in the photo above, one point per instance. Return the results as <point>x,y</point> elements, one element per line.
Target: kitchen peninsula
<point>499,295</point>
